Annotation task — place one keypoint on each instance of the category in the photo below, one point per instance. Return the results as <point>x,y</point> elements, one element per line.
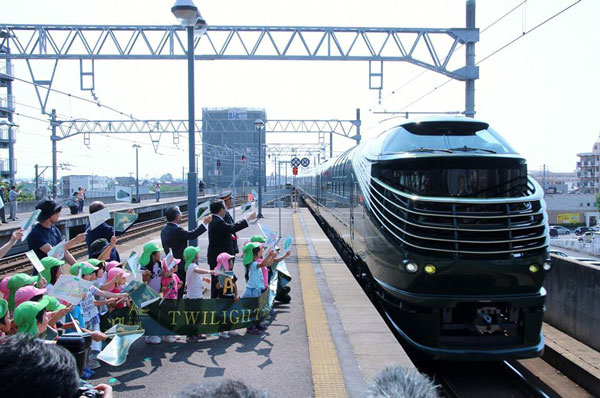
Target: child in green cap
<point>52,270</point>
<point>193,281</point>
<point>30,317</point>
<point>252,254</point>
<point>16,282</point>
<point>151,268</point>
<point>4,318</point>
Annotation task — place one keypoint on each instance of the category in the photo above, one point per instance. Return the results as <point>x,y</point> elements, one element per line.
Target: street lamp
<point>259,124</point>
<point>188,15</point>
<point>137,173</point>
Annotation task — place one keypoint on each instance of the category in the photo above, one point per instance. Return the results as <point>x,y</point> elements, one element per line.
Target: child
<point>89,304</point>
<point>31,318</point>
<point>193,281</point>
<point>16,282</point>
<point>120,277</point>
<point>225,263</point>
<point>4,318</point>
<point>252,253</point>
<point>52,270</point>
<point>151,268</point>
<point>170,284</point>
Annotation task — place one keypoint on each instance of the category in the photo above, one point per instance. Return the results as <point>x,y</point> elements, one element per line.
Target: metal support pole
<point>54,138</point>
<point>331,144</point>
<point>233,185</point>
<point>358,125</point>
<point>36,179</point>
<point>260,215</point>
<point>11,139</point>
<point>137,175</point>
<point>470,63</point>
<point>192,176</point>
<point>279,174</point>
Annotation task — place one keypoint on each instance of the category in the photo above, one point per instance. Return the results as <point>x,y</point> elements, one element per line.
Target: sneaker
<point>87,373</point>
<point>169,339</point>
<point>191,339</point>
<point>252,331</point>
<point>286,289</point>
<point>224,335</point>
<point>153,340</point>
<point>93,364</point>
<point>202,336</point>
<point>233,333</point>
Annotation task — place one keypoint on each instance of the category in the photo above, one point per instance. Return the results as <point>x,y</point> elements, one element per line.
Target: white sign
<point>97,218</point>
<point>28,224</point>
<point>58,251</point>
<point>37,264</point>
<point>70,288</point>
<point>123,194</point>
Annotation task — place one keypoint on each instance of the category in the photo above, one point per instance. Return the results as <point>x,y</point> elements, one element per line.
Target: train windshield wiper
<point>471,149</point>
<point>422,149</point>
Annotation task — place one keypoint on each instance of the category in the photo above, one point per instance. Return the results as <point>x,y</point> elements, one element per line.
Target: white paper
<point>123,194</point>
<point>37,264</point>
<point>98,218</point>
<point>58,251</point>
<point>70,288</point>
<point>28,224</point>
<point>169,261</point>
<point>1,202</point>
<point>287,245</point>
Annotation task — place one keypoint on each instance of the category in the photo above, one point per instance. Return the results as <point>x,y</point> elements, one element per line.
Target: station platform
<point>329,341</point>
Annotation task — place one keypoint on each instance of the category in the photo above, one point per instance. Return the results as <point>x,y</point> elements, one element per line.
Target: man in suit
<point>226,198</point>
<point>220,237</point>
<point>175,238</point>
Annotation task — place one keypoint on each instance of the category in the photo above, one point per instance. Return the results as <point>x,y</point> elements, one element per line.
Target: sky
<point>540,93</point>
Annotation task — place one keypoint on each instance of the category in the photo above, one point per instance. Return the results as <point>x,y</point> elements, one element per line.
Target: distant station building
<point>556,182</point>
<point>588,170</point>
<point>8,163</point>
<point>229,135</point>
<point>95,186</point>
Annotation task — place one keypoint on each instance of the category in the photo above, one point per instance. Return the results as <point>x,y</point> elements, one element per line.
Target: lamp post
<point>188,15</point>
<point>137,173</point>
<point>259,124</point>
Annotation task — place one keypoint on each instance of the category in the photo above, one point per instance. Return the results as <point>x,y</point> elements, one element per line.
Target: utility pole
<point>470,63</point>
<point>137,173</point>
<point>36,179</point>
<point>233,185</point>
<point>544,177</point>
<point>54,138</point>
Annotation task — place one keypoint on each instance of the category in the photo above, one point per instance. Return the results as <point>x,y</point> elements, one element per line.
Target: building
<point>229,136</point>
<point>572,209</point>
<point>8,163</point>
<point>556,182</point>
<point>96,186</point>
<point>588,170</point>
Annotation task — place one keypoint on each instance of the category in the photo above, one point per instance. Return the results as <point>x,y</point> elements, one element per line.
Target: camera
<point>79,345</point>
<point>86,390</point>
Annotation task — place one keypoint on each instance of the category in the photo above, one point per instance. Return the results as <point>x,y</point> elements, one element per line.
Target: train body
<point>453,231</point>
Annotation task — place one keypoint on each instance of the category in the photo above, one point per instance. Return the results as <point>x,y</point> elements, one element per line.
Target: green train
<point>450,230</point>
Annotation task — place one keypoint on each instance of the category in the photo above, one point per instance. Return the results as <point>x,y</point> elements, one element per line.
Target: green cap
<point>149,248</point>
<point>86,268</point>
<point>25,315</point>
<point>95,262</point>
<point>3,308</point>
<point>16,282</point>
<point>248,255</point>
<point>54,304</point>
<point>189,255</point>
<point>49,263</point>
<point>258,238</point>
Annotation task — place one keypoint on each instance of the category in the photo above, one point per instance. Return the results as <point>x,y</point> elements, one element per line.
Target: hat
<point>109,265</point>
<point>223,260</point>
<point>3,308</point>
<point>95,262</point>
<point>164,263</point>
<point>225,195</point>
<point>116,271</point>
<point>248,256</point>
<point>4,288</point>
<point>49,263</point>
<point>97,247</point>
<point>86,268</point>
<point>189,255</point>
<point>26,293</point>
<point>16,282</point>
<point>54,304</point>
<point>48,208</point>
<point>25,315</point>
<point>149,248</point>
<point>258,238</point>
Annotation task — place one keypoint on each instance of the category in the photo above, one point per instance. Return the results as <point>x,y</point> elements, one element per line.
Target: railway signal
<point>295,162</point>
<point>295,170</point>
<point>305,162</point>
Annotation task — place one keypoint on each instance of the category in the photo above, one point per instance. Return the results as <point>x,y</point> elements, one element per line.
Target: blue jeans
<point>81,206</point>
<point>157,196</point>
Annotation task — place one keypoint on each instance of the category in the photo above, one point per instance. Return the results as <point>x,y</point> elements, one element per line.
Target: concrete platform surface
<point>282,360</point>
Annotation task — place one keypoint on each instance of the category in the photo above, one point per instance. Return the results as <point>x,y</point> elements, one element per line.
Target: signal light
<point>295,171</point>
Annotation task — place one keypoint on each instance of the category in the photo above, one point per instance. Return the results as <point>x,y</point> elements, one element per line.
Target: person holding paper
<point>175,238</point>
<point>102,231</point>
<point>14,238</point>
<point>45,235</point>
<point>219,237</point>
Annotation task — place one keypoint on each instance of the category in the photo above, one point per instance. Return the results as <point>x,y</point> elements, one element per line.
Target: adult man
<point>12,198</point>
<point>81,198</point>
<point>227,199</point>
<point>44,235</point>
<point>219,237</point>
<point>175,238</point>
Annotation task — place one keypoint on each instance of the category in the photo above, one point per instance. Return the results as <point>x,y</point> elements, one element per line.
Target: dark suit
<point>175,238</point>
<point>220,241</point>
<point>228,219</point>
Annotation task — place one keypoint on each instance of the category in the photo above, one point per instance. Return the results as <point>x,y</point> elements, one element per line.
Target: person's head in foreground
<point>398,382</point>
<point>221,389</point>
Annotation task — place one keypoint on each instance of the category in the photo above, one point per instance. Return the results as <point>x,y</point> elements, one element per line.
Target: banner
<point>190,317</point>
<point>115,353</point>
<point>202,210</point>
<point>123,194</point>
<point>141,294</point>
<point>567,218</point>
<point>122,221</point>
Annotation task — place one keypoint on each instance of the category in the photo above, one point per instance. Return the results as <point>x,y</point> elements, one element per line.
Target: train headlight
<point>411,266</point>
<point>547,265</point>
<point>430,269</point>
<point>533,268</point>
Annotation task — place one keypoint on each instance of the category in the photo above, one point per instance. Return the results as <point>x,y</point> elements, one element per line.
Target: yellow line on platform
<point>326,371</point>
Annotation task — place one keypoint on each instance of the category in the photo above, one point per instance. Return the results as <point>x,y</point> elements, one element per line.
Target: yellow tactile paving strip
<point>326,371</point>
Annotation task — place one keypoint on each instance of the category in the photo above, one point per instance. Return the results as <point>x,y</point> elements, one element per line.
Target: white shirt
<point>194,283</point>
